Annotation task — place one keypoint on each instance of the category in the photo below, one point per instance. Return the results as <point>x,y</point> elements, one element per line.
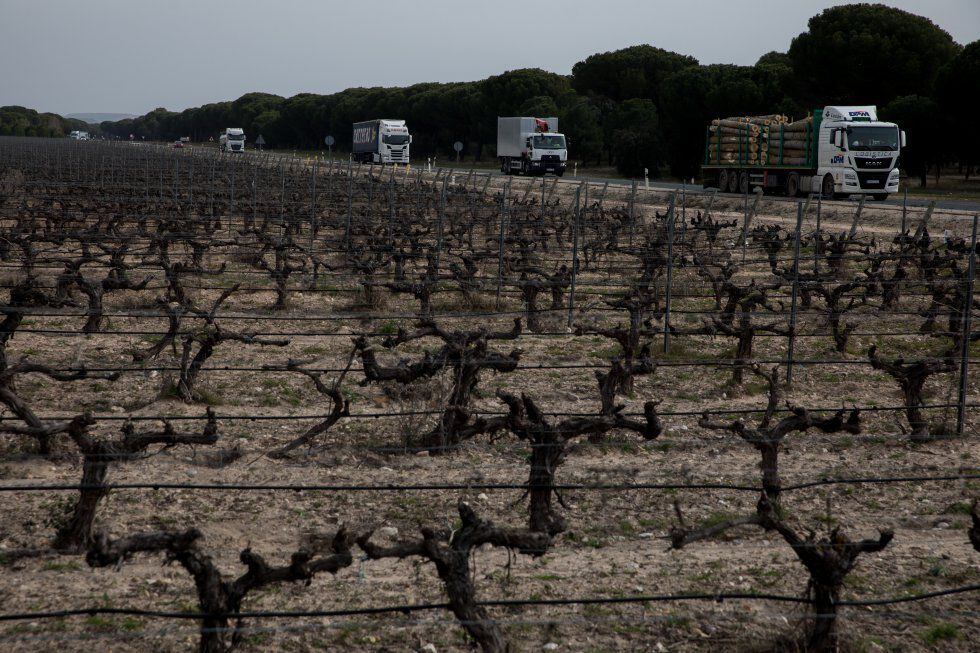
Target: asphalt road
<point>894,200</point>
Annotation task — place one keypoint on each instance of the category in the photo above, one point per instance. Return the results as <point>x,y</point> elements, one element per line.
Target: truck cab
<point>232,139</point>
<point>546,152</point>
<point>857,154</point>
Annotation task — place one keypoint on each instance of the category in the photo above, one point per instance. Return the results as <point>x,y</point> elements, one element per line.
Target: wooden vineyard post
<point>967,325</point>
<point>795,294</point>
<point>575,226</point>
<point>500,249</point>
<point>632,208</point>
<point>671,214</point>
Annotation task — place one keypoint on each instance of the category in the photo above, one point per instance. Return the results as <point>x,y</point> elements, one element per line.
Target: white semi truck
<point>531,146</point>
<point>381,141</point>
<point>837,151</point>
<point>232,139</point>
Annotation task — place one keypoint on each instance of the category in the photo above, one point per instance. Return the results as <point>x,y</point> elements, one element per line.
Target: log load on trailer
<point>837,151</point>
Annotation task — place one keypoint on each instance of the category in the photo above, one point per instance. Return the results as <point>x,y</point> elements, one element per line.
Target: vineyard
<point>246,400</point>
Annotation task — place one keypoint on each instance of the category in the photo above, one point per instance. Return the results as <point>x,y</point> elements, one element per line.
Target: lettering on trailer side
<point>364,135</point>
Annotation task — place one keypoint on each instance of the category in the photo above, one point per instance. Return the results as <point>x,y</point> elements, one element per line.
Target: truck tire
<point>792,184</point>
<point>743,183</point>
<point>723,180</point>
<point>733,181</point>
<point>827,187</point>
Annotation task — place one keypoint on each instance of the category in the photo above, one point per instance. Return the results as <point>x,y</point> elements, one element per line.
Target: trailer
<point>837,151</point>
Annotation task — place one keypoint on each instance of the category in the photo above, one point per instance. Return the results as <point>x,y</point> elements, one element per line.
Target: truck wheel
<point>793,184</point>
<point>827,187</point>
<point>723,180</point>
<point>733,181</point>
<point>743,183</point>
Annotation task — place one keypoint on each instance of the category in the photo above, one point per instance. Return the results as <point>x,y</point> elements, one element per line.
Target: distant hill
<point>96,118</point>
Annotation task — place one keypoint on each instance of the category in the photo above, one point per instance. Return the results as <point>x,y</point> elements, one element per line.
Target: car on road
<point>178,144</point>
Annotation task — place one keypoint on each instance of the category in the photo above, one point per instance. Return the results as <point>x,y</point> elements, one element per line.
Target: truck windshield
<point>864,139</point>
<point>395,139</point>
<point>236,137</point>
<point>548,142</point>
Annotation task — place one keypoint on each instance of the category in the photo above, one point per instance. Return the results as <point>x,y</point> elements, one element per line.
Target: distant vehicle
<point>837,151</point>
<point>232,139</point>
<point>381,141</point>
<point>79,135</point>
<point>531,146</point>
<point>185,139</point>
<point>178,144</point>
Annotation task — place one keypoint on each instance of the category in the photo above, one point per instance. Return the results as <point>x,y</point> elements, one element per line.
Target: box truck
<point>232,139</point>
<point>837,151</point>
<point>381,141</point>
<point>531,146</point>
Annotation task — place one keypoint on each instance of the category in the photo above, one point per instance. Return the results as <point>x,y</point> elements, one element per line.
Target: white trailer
<point>531,146</point>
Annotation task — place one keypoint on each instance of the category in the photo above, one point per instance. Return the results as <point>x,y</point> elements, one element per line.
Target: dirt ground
<point>616,544</point>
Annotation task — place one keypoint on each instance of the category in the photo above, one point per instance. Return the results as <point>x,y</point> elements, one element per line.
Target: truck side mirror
<point>902,140</point>
<point>409,139</point>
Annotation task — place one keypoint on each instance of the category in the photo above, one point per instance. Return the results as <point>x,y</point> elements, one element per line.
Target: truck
<point>232,139</point>
<point>381,141</point>
<point>836,151</point>
<point>531,146</point>
<point>78,135</point>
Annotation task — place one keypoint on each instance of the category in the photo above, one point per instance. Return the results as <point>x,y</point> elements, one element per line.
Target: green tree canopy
<point>868,54</point>
<point>635,72</point>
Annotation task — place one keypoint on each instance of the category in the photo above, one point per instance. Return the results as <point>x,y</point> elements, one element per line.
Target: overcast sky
<point>130,56</point>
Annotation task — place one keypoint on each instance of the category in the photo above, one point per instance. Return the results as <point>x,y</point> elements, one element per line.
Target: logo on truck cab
<point>859,114</point>
<point>837,159</point>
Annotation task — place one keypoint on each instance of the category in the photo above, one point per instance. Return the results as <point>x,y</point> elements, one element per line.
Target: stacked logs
<point>788,142</point>
<point>758,140</point>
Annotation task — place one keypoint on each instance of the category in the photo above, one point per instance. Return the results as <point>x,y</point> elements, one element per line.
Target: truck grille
<point>873,180</point>
<point>873,164</point>
<point>550,158</point>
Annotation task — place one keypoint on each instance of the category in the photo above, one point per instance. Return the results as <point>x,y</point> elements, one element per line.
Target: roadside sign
<point>329,141</point>
<point>260,141</point>
<point>458,146</point>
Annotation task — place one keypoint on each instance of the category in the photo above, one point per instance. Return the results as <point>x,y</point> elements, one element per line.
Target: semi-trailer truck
<point>531,146</point>
<point>232,139</point>
<point>837,151</point>
<point>381,141</point>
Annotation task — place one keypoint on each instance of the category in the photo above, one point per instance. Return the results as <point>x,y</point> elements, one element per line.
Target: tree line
<point>642,106</point>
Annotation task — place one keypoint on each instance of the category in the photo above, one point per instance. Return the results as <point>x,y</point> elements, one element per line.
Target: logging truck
<point>837,151</point>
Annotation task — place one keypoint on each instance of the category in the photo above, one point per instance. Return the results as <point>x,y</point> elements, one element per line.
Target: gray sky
<point>130,56</point>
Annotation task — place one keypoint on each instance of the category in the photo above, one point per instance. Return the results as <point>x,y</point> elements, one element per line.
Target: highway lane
<point>893,200</point>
